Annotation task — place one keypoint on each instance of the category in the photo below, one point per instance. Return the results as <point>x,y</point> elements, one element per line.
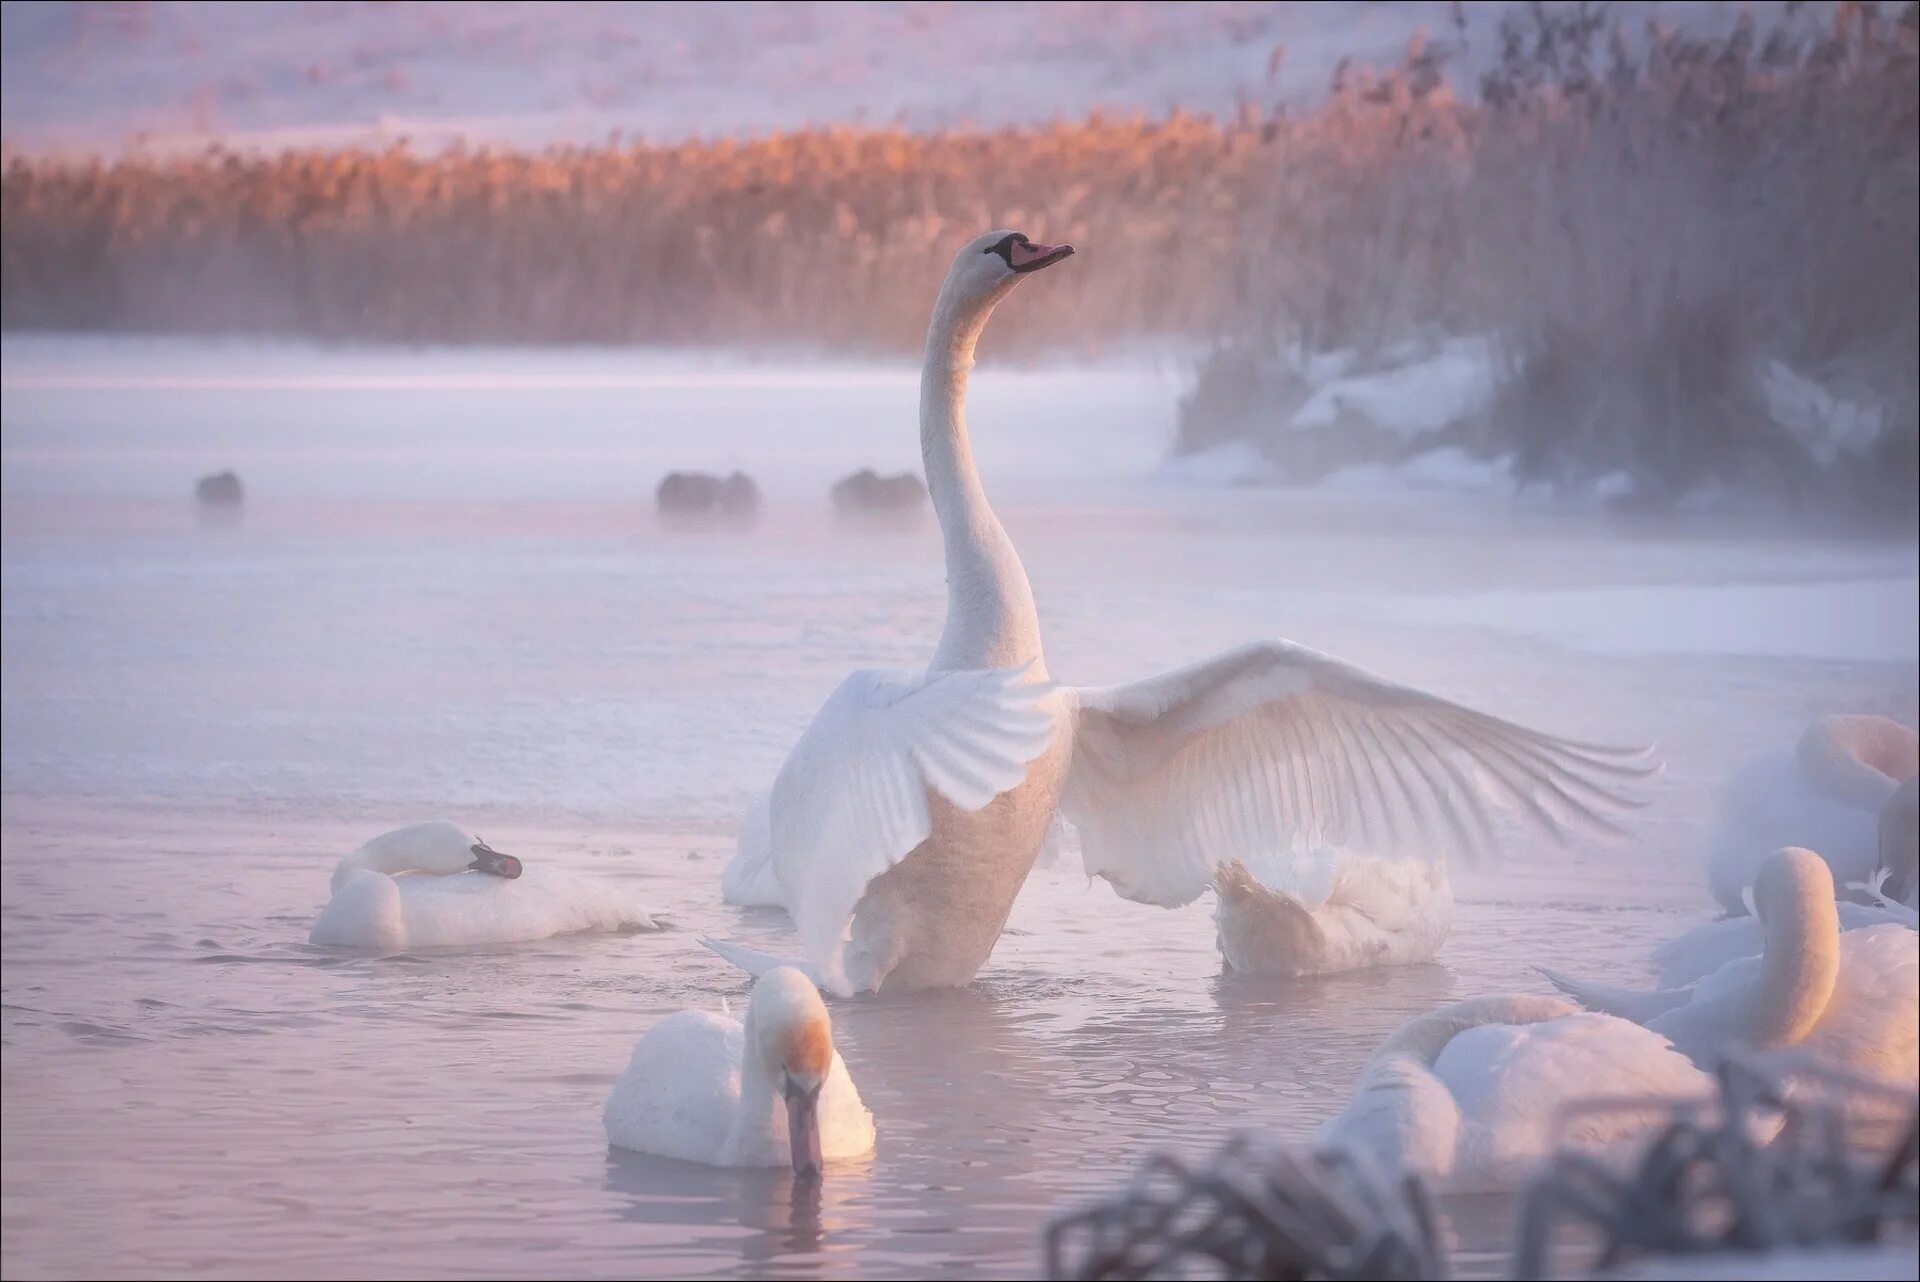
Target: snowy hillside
<point>100,76</point>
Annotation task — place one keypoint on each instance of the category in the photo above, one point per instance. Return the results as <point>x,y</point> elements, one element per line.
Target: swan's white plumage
<point>1274,749</point>
<point>909,815</point>
<point>696,1087</point>
<point>1850,999</point>
<point>1869,1024</point>
<point>410,889</point>
<point>749,878</point>
<point>852,799</point>
<point>1825,794</point>
<point>1690,957</point>
<point>1478,1091</point>
<point>1339,911</point>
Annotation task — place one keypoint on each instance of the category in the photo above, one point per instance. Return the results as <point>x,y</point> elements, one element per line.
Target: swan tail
<point>752,960</point>
<point>1610,1000</point>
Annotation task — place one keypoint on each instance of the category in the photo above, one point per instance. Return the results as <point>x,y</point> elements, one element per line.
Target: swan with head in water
<point>1852,998</point>
<point>435,884</point>
<point>906,818</point>
<point>769,1092</point>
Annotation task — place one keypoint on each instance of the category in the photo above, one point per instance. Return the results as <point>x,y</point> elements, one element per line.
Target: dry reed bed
<point>1638,220</point>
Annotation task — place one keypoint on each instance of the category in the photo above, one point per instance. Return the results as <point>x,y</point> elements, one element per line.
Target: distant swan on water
<point>434,884</point>
<point>906,818</point>
<point>1826,794</point>
<point>770,1092</point>
<point>1477,1092</point>
<point>1852,998</point>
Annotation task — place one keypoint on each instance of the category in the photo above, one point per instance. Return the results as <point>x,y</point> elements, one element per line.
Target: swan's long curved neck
<point>1858,761</point>
<point>1797,973</point>
<point>392,860</point>
<point>991,622</point>
<point>758,1122</point>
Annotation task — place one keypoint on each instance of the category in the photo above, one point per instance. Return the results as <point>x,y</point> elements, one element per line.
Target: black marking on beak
<point>803,1129</point>
<point>488,860</point>
<point>1022,255</point>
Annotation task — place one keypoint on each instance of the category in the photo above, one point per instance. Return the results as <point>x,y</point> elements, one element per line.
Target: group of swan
<point>1475,1090</point>
<point>1317,800</point>
<point>699,1087</point>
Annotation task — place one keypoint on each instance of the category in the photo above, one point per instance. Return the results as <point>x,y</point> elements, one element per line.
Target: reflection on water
<point>198,722</point>
<point>191,1088</point>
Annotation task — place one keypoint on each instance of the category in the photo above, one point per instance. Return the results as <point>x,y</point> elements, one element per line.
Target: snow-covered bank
<point>1431,417</point>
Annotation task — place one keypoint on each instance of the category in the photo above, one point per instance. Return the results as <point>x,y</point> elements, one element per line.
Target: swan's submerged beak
<point>488,860</point>
<point>1024,256</point>
<point>803,1129</point>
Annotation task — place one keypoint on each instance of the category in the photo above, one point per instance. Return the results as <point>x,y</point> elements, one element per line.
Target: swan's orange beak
<point>488,860</point>
<point>1027,257</point>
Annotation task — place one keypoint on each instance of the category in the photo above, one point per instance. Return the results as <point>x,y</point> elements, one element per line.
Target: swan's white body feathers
<point>1825,794</point>
<point>1851,999</point>
<point>1476,1092</point>
<point>1870,1023</point>
<point>861,790</point>
<point>680,1097</point>
<point>1352,912</point>
<point>1690,957</point>
<point>410,888</point>
<point>694,1089</point>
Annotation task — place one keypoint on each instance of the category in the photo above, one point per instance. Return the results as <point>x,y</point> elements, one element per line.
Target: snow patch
<point>1827,426</point>
<point>1234,463</point>
<point>1413,399</point>
<point>1449,469</point>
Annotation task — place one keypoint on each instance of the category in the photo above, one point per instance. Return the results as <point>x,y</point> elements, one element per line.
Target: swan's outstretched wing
<point>1273,748</point>
<point>852,799</point>
<point>748,878</point>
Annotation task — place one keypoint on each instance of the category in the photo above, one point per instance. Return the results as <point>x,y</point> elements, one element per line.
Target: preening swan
<point>1342,912</point>
<point>1852,999</point>
<point>435,884</point>
<point>771,1092</point>
<point>1704,949</point>
<point>1477,1091</point>
<point>1827,794</point>
<point>906,818</point>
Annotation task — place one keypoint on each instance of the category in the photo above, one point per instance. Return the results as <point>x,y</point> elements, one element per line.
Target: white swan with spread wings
<point>905,820</point>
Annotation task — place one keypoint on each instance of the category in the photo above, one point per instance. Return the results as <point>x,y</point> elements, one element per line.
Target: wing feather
<point>1274,750</point>
<point>851,800</point>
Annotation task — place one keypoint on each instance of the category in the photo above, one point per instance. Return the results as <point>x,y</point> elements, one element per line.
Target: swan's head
<point>793,1037</point>
<point>1791,880</point>
<point>990,265</point>
<point>437,848</point>
<point>1900,842</point>
<point>488,860</point>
